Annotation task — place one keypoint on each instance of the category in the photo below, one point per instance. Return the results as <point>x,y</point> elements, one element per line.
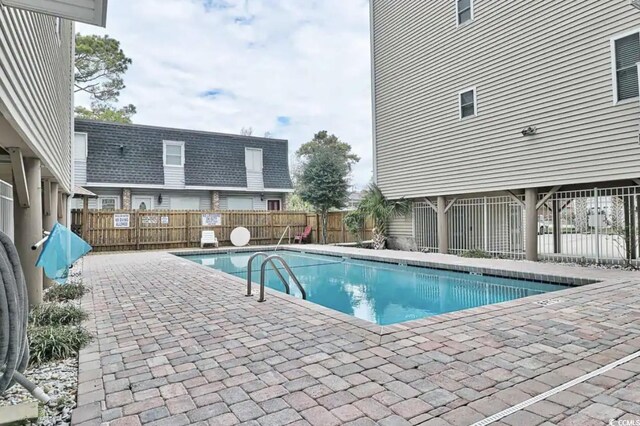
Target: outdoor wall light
<point>159,198</point>
<point>262,196</point>
<point>529,131</point>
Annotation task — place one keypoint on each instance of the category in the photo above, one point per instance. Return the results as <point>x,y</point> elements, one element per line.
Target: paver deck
<point>178,343</point>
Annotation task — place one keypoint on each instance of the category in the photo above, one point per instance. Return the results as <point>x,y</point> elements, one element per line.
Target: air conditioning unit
<point>635,3</point>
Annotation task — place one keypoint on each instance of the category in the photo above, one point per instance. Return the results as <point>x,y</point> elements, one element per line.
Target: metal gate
<point>6,208</point>
<point>590,225</point>
<point>425,227</point>
<point>491,224</point>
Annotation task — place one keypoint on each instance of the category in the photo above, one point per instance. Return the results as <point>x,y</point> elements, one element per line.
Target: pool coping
<point>572,281</point>
<point>435,320</point>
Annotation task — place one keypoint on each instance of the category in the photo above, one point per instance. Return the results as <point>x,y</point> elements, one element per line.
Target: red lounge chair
<point>299,238</point>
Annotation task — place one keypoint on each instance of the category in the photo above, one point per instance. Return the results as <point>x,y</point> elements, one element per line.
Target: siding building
<point>36,118</point>
<point>131,167</point>
<point>513,102</point>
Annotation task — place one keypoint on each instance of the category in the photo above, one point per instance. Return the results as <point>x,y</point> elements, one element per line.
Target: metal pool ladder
<point>263,267</point>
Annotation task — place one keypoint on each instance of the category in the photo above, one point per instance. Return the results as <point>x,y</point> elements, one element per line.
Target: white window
<point>464,11</point>
<point>240,203</point>
<point>467,103</point>
<point>626,55</point>
<point>185,203</point>
<point>108,203</point>
<point>174,154</point>
<point>80,146</point>
<point>253,159</point>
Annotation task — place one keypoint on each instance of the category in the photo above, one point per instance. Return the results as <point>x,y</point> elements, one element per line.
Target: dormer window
<point>253,159</point>
<point>173,154</point>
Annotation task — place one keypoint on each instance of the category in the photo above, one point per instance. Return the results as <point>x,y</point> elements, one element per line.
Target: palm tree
<point>376,206</point>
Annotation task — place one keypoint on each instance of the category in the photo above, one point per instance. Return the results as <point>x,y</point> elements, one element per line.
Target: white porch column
<point>443,228</point>
<point>28,230</point>
<point>50,217</point>
<point>531,224</point>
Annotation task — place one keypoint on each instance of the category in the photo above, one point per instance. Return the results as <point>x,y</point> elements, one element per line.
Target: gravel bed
<point>60,381</point>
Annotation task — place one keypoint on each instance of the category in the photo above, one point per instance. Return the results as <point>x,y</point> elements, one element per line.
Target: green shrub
<point>65,292</point>
<point>56,343</point>
<point>476,253</point>
<point>55,314</point>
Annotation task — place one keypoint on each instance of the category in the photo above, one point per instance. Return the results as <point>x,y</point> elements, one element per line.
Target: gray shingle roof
<point>211,159</point>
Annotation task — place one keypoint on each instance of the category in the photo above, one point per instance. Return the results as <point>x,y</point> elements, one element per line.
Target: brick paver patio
<point>178,343</point>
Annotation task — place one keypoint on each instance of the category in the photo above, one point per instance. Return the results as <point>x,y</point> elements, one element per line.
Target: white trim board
<point>188,187</point>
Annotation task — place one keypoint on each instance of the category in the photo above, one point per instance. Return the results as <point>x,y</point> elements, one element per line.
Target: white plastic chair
<point>208,237</point>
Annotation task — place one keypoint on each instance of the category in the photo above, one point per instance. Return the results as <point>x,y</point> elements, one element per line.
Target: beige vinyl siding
<point>255,180</point>
<point>36,86</point>
<point>174,177</point>
<point>402,226</point>
<point>79,171</point>
<point>543,64</point>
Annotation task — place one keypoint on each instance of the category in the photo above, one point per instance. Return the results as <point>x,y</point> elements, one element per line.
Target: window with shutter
<point>627,55</point>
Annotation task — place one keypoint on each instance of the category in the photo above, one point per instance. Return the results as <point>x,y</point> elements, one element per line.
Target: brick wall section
<point>215,200</point>
<point>126,199</point>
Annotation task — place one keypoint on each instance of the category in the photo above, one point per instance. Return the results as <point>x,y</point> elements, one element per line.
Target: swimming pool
<point>379,292</point>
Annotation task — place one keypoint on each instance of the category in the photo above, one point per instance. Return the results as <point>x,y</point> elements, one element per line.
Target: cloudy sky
<point>287,67</point>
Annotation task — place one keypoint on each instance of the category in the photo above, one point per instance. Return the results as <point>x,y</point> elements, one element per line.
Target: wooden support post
<point>443,228</point>
<point>531,224</point>
<point>187,225</point>
<point>270,221</point>
<point>85,219</point>
<point>19,177</point>
<point>136,228</point>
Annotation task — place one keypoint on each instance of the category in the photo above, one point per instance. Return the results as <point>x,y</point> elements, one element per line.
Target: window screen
<point>627,56</point>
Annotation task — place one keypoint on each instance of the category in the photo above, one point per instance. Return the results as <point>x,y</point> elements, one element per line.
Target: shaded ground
<point>178,343</point>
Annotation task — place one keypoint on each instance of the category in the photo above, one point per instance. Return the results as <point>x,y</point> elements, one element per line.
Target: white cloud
<point>308,60</point>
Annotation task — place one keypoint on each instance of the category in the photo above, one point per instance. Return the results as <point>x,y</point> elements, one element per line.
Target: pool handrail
<point>263,268</point>
<point>288,228</point>
<point>275,268</point>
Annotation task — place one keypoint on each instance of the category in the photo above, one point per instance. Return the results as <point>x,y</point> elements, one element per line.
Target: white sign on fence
<point>121,220</point>
<point>164,220</point>
<point>211,219</point>
<point>149,220</point>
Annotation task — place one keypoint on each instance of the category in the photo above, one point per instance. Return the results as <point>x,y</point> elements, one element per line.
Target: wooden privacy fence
<point>154,229</point>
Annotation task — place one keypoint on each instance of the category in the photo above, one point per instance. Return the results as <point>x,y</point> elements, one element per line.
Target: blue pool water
<point>379,292</point>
